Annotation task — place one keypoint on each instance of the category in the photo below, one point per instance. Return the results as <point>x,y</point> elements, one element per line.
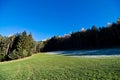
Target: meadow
<point>60,67</point>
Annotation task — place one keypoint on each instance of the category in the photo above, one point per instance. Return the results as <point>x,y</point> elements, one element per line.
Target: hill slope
<point>59,67</point>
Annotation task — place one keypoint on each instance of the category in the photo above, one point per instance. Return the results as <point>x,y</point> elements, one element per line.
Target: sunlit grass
<point>59,67</point>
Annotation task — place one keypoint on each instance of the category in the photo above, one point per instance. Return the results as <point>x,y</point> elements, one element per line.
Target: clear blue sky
<point>46,18</point>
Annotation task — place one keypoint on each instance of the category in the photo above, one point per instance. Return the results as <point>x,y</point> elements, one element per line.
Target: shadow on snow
<point>89,52</point>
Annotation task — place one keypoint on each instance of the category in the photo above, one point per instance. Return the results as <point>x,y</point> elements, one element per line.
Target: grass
<point>59,67</point>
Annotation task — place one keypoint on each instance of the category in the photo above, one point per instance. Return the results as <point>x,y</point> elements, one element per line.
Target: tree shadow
<point>90,52</point>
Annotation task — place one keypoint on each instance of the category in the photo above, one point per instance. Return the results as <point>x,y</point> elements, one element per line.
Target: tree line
<point>94,38</point>
<point>16,46</point>
<point>22,44</point>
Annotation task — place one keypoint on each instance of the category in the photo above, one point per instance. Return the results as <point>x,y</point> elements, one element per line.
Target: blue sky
<point>46,18</point>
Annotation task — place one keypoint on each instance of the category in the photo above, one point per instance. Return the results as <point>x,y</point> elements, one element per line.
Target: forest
<point>16,46</point>
<point>21,45</point>
<point>94,38</point>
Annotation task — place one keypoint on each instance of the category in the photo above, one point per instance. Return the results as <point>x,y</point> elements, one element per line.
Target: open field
<point>60,67</point>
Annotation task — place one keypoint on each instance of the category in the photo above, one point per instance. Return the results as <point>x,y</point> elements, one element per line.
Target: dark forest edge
<point>23,45</point>
<point>94,38</point>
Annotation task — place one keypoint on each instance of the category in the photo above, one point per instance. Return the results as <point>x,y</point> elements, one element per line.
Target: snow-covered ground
<point>90,53</point>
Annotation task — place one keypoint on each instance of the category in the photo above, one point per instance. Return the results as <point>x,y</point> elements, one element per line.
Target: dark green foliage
<point>2,55</point>
<point>24,45</point>
<point>14,55</point>
<point>94,38</point>
<point>16,46</point>
<point>2,48</point>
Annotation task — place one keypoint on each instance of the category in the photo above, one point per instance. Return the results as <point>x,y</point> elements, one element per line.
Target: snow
<point>90,53</point>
